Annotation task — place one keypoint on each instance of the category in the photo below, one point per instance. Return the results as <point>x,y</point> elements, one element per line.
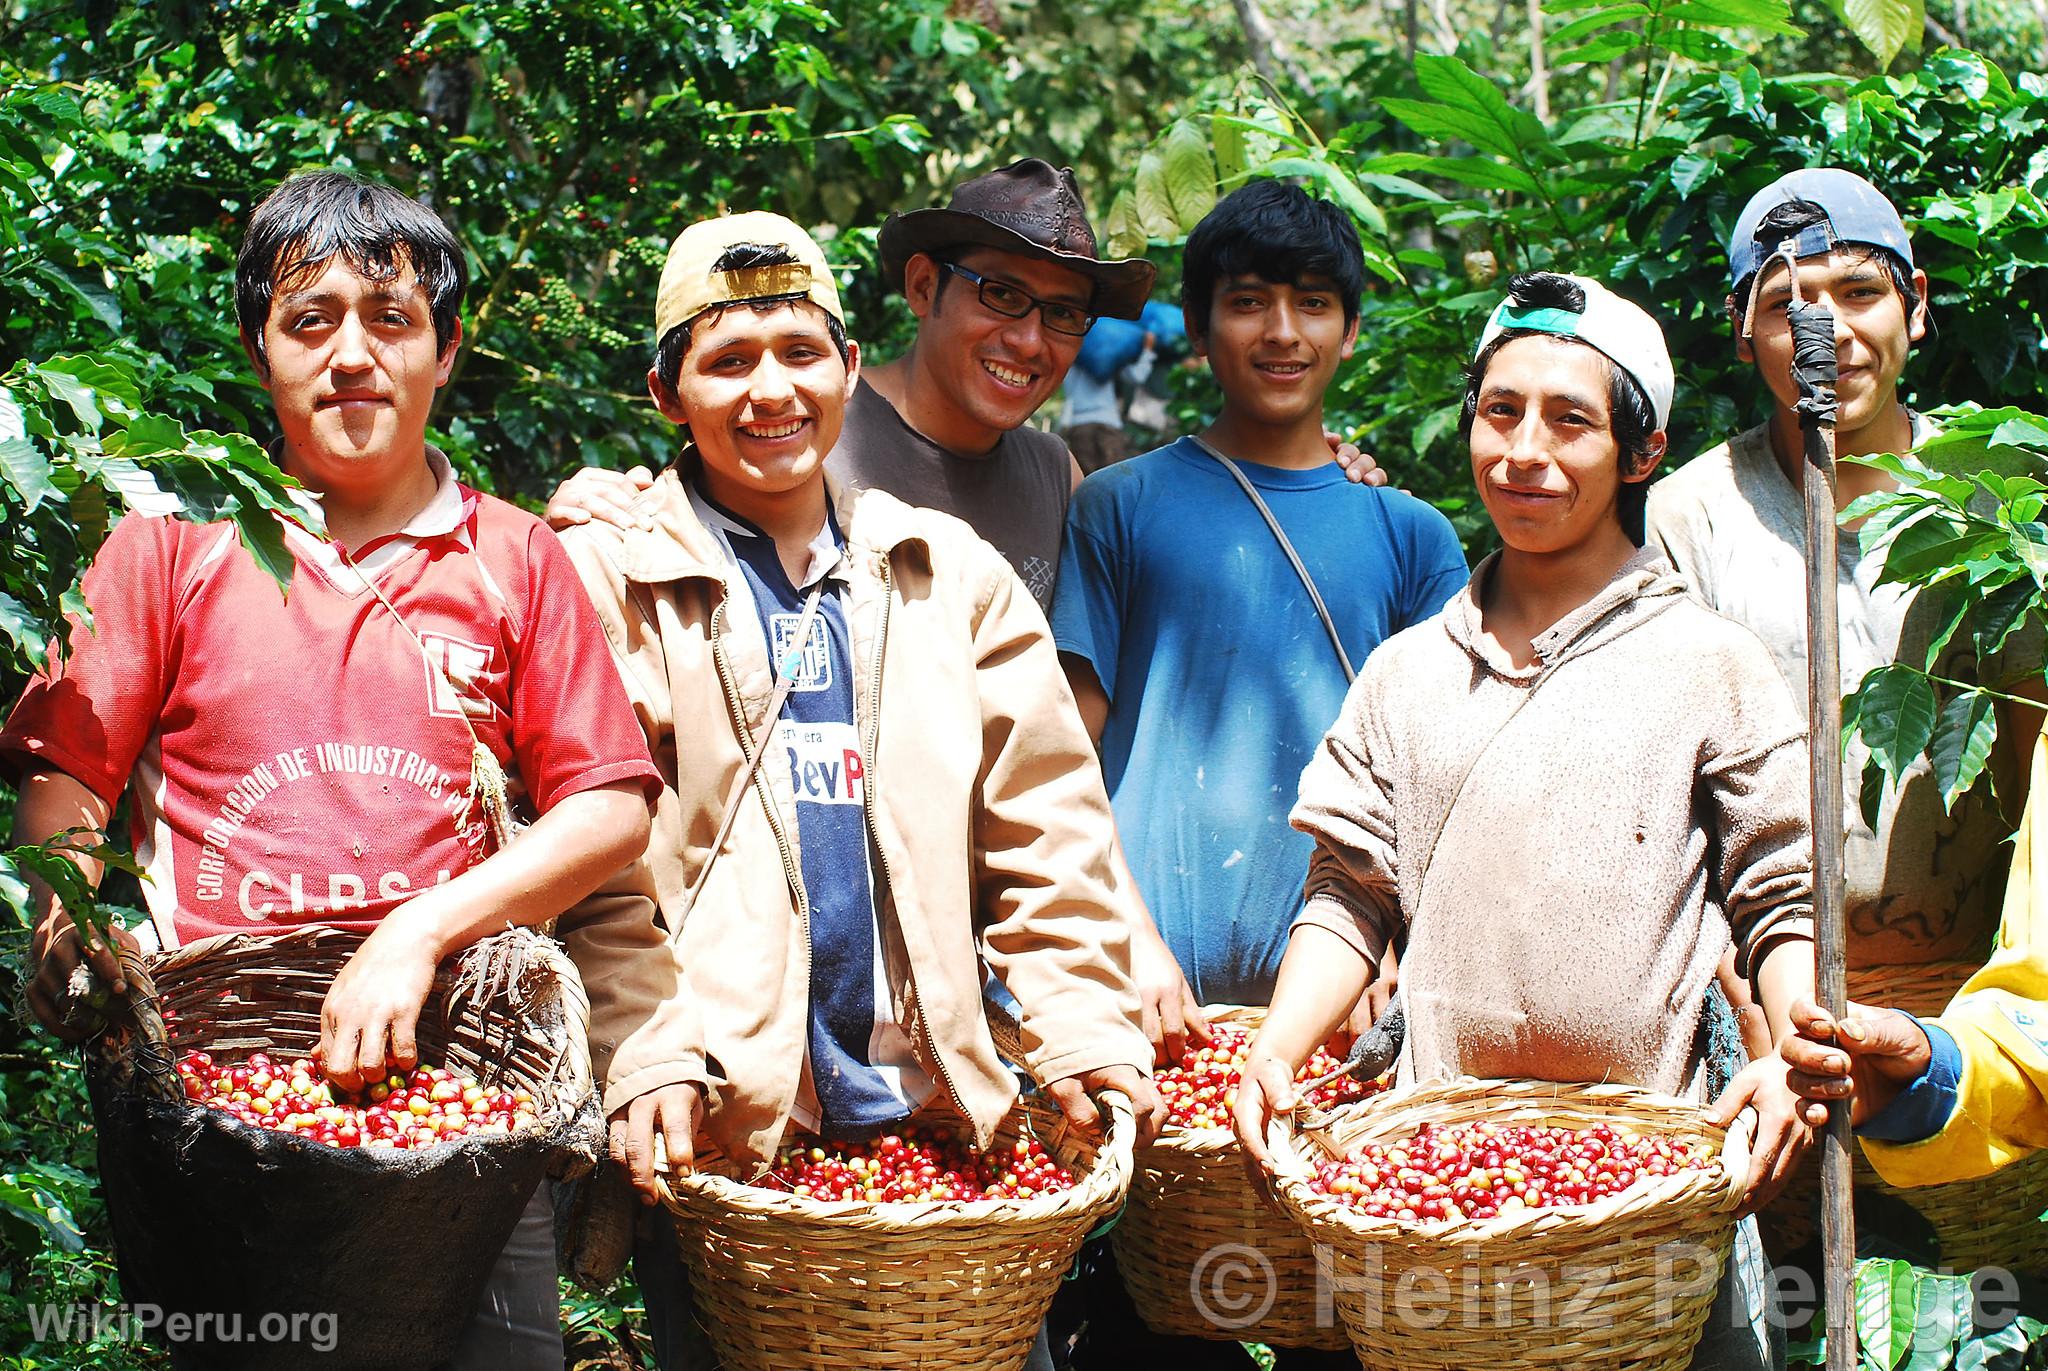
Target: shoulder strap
<point>785,680</point>
<point>1308,582</point>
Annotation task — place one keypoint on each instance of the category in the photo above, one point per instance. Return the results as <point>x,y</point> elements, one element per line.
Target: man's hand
<point>370,1019</point>
<point>1782,1134</point>
<point>1171,1013</point>
<point>673,1112</point>
<point>1371,1005</point>
<point>1071,1093</point>
<point>606,496</point>
<point>1359,465</point>
<point>1867,1058</point>
<point>1264,1091</point>
<point>59,949</point>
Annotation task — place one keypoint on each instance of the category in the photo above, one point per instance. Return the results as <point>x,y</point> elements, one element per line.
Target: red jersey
<point>302,759</point>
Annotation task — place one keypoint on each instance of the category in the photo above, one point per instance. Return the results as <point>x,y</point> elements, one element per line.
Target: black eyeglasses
<point>1014,303</point>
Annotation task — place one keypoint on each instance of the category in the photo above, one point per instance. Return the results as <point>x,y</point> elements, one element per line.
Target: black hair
<point>1784,220</point>
<point>1277,232</point>
<point>1630,416</point>
<point>311,219</point>
<point>668,353</point>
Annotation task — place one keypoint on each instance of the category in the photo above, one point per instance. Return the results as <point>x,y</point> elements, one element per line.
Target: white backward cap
<point>1623,332</point>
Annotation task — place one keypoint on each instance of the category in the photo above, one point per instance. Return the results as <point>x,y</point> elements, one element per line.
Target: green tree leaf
<point>1885,26</point>
<point>1154,202</point>
<point>1895,714</point>
<point>1964,733</point>
<point>1189,173</point>
<point>25,468</point>
<point>1887,1307</point>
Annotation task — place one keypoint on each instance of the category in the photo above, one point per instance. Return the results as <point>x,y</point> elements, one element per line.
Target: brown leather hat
<point>1029,207</point>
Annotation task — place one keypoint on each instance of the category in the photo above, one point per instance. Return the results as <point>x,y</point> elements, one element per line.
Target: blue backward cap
<point>1857,213</point>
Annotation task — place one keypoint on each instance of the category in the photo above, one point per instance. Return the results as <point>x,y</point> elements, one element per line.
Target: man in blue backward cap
<point>1922,888</point>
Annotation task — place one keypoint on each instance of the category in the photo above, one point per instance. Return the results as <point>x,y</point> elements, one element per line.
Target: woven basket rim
<point>1717,1191</point>
<point>570,1090</point>
<point>1102,1188</point>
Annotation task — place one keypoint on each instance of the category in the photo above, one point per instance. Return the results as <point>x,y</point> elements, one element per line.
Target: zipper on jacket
<point>882,854</point>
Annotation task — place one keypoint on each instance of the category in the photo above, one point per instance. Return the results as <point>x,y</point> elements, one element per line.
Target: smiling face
<point>352,367</point>
<point>1274,348</point>
<point>763,391</point>
<point>982,375</point>
<point>1873,331</point>
<point>1544,454</point>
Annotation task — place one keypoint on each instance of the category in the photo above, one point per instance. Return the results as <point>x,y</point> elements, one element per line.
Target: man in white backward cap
<point>1570,792</point>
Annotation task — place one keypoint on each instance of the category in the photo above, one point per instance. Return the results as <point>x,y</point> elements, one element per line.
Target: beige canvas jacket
<point>985,805</point>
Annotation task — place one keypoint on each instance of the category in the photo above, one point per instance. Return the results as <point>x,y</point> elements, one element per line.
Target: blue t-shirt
<point>861,1074</point>
<point>1221,679</point>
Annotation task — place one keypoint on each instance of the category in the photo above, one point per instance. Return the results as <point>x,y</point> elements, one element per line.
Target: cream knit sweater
<point>1565,920</point>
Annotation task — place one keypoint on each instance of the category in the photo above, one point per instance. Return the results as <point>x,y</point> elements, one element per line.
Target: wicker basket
<point>212,1215</point>
<point>783,1282</point>
<point>1204,1254</point>
<point>1991,1221</point>
<point>1624,1282</point>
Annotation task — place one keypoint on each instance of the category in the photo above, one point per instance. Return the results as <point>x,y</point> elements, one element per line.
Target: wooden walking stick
<point>1813,367</point>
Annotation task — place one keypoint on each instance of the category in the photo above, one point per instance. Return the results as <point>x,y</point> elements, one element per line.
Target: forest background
<point>569,142</point>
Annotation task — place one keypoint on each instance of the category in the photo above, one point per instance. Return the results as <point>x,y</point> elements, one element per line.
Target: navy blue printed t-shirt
<point>1221,679</point>
<point>860,1075</point>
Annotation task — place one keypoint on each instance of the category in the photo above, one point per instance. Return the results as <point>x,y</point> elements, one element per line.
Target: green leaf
<point>1887,1306</point>
<point>25,468</point>
<point>2000,612</point>
<point>1226,139</point>
<point>1342,188</point>
<point>1885,26</point>
<point>1765,16</point>
<point>1688,170</point>
<point>1189,173</point>
<point>1154,203</point>
<point>1964,733</point>
<point>1127,237</point>
<point>41,1211</point>
<point>1870,798</point>
<point>1567,34</point>
<point>1895,716</point>
<point>1450,81</point>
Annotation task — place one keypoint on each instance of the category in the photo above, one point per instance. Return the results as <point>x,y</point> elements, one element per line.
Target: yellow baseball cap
<point>692,283</point>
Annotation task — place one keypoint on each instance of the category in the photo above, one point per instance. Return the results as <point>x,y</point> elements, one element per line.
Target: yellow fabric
<point>1999,1020</point>
<point>689,285</point>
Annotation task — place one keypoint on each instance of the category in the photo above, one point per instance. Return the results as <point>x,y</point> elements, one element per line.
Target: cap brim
<point>1121,286</point>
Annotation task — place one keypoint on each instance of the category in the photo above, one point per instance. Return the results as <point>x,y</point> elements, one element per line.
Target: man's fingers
<point>405,1049</point>
<point>640,476</point>
<point>679,1138</point>
<point>1149,1023</point>
<point>1197,1022</point>
<point>338,1055</point>
<point>1172,1028</point>
<point>1075,1104</point>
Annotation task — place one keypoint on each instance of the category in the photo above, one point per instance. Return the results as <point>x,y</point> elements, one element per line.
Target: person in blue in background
<point>1117,353</point>
<point>1197,650</point>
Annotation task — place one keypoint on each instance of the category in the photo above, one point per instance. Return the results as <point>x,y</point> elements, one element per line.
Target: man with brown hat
<point>1004,281</point>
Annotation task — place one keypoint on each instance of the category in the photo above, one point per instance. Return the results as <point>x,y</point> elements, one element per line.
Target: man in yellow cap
<point>875,780</point>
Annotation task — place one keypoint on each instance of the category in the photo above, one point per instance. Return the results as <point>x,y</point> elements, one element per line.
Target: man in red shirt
<point>318,758</point>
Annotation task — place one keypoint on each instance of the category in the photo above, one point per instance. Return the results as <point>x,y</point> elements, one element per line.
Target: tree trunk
<point>1266,53</point>
<point>1539,67</point>
<point>1408,27</point>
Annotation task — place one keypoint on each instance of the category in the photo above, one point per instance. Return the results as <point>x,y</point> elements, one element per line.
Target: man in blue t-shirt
<point>1201,663</point>
<point>1199,659</point>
